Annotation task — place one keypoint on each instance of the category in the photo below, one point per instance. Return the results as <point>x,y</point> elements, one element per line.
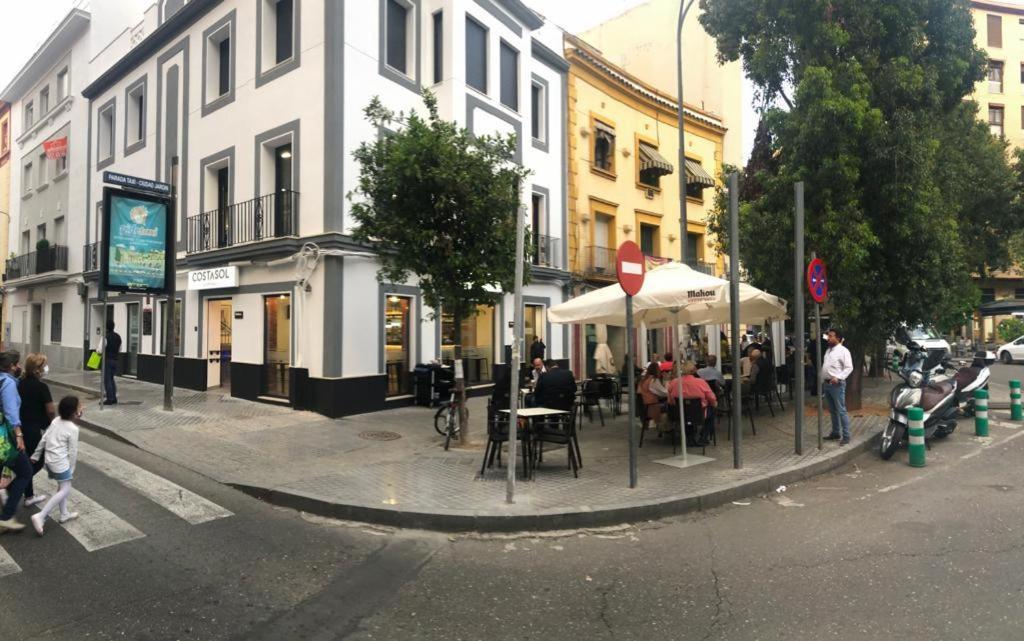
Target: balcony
<point>91,257</point>
<point>54,258</point>
<point>274,215</point>
<point>600,262</point>
<point>702,267</point>
<point>548,251</point>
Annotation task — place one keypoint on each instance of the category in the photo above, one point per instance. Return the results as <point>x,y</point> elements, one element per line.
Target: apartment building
<point>252,109</point>
<point>48,128</point>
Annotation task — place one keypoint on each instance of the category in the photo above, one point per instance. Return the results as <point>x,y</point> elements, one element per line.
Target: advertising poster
<point>135,243</point>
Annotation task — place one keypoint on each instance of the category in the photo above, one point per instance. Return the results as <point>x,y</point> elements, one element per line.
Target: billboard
<point>137,246</point>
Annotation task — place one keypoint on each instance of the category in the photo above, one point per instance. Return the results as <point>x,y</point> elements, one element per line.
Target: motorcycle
<point>971,379</point>
<point>938,399</point>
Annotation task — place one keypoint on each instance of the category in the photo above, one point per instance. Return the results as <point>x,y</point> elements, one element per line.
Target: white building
<point>43,288</point>
<point>261,103</point>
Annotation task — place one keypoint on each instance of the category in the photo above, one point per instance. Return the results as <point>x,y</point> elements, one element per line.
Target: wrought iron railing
<point>548,251</point>
<point>41,261</point>
<point>702,267</point>
<point>273,215</point>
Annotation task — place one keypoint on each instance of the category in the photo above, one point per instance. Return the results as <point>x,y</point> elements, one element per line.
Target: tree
<point>1010,329</point>
<point>439,203</point>
<point>907,195</point>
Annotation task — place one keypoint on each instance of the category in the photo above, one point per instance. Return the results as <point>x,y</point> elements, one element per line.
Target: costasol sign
<point>215,278</point>
<point>136,246</point>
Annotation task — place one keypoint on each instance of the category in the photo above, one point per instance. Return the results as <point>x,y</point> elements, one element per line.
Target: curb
<point>469,521</point>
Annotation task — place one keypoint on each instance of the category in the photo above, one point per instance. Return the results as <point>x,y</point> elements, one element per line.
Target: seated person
<point>745,364</point>
<point>694,388</point>
<point>710,372</point>
<point>666,363</point>
<point>538,369</point>
<point>556,388</point>
<point>759,367</point>
<point>652,392</point>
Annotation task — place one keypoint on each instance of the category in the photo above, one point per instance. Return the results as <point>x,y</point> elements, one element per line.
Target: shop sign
<point>216,278</point>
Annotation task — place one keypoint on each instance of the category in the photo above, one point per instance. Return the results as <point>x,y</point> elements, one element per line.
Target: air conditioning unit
<point>650,194</point>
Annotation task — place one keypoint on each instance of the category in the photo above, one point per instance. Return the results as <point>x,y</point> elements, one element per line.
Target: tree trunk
<point>855,384</point>
<point>460,383</point>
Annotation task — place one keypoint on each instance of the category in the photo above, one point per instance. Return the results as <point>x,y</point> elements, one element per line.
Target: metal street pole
<point>631,377</point>
<point>169,328</point>
<point>517,355</point>
<point>734,312</point>
<point>818,359</point>
<point>683,10</point>
<point>798,320</point>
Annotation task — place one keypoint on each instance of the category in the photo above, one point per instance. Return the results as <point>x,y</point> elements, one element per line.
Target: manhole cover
<point>377,435</point>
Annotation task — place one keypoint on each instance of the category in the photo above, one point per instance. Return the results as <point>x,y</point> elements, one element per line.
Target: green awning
<point>695,174</point>
<point>650,159</point>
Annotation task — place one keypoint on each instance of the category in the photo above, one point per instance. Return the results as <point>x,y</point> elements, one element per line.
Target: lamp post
<point>684,8</point>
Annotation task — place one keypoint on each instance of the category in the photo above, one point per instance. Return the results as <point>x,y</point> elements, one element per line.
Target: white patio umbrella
<point>673,294</point>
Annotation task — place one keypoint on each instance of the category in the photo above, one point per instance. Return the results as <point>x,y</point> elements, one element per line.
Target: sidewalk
<point>389,467</point>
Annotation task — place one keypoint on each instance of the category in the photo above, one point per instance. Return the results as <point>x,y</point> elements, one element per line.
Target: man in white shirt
<point>836,368</point>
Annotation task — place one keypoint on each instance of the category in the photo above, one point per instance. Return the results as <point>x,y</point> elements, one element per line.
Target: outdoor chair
<point>497,434</point>
<point>695,417</point>
<point>590,398</point>
<point>784,376</point>
<point>642,411</point>
<point>607,388</point>
<point>745,408</point>
<point>558,430</point>
<point>765,386</point>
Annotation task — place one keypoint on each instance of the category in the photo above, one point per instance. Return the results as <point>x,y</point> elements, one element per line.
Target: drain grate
<point>379,435</point>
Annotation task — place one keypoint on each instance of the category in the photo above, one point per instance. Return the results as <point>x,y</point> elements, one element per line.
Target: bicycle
<point>446,420</point>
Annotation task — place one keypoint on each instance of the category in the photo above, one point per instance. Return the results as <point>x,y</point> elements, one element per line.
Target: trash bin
<point>423,375</point>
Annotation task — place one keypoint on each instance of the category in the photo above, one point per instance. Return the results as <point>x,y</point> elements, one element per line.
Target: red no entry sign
<point>817,280</point>
<point>630,267</point>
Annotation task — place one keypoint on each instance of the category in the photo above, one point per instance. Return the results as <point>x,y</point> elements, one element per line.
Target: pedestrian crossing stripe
<point>7,564</point>
<point>183,503</point>
<point>96,527</point>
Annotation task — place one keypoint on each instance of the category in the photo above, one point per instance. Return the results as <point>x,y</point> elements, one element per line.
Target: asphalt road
<point>877,549</point>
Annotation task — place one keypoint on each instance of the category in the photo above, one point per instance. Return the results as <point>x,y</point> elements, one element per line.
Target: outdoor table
<point>533,412</point>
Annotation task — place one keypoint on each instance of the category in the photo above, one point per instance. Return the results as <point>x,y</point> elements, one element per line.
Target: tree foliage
<point>439,203</point>
<point>1010,329</point>
<point>907,194</point>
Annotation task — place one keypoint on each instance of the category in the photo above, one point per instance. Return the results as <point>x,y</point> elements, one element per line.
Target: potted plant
<point>43,256</point>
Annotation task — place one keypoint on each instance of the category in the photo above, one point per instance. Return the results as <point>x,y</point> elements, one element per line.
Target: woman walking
<point>59,450</point>
<point>17,460</point>
<point>37,411</point>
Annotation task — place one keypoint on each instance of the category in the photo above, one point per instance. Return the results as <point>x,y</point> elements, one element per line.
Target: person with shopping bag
<point>12,440</point>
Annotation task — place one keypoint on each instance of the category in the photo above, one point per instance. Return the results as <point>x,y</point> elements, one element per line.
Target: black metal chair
<point>765,386</point>
<point>696,421</point>
<point>590,398</point>
<point>558,429</point>
<point>497,434</point>
<point>608,389</point>
<point>642,409</point>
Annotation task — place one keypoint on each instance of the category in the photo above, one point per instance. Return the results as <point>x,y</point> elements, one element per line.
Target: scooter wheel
<point>891,437</point>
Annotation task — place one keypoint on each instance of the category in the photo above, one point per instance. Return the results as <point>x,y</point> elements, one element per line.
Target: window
<point>988,294</point>
<point>26,178</point>
<point>604,146</point>
<point>42,169</point>
<point>62,84</point>
<point>538,112</point>
<point>29,114</point>
<point>135,117</point>
<point>105,135</point>
<point>56,321</point>
<point>177,327</point>
<point>284,11</point>
<point>995,76</point>
<point>26,241</point>
<point>995,120</point>
<point>398,344</point>
<point>40,233</point>
<point>4,141</point>
<point>694,190</point>
<point>546,247</point>
<point>58,231</point>
<point>61,165</point>
<point>1022,73</point>
<point>476,55</point>
<point>509,59</point>
<point>1018,293</point>
<point>438,46</point>
<point>44,101</point>
<point>995,31</point>
<point>652,165</point>
<point>397,31</point>
<point>649,240</point>
<point>219,64</point>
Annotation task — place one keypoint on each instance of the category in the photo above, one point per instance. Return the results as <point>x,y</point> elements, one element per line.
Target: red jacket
<point>693,387</point>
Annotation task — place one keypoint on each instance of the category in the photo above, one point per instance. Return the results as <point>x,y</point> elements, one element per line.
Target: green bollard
<point>1016,411</point>
<point>981,412</point>
<point>915,437</point>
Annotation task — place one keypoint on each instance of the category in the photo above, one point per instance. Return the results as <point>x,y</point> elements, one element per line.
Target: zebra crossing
<point>97,527</point>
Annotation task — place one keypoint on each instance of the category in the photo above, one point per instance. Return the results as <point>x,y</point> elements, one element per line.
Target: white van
<point>924,336</point>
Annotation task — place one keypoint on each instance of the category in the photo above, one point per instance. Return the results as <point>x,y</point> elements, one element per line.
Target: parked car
<point>1012,351</point>
<point>926,337</point>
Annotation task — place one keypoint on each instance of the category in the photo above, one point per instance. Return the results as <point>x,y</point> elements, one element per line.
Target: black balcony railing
<point>53,258</point>
<point>274,215</point>
<point>548,251</point>
<point>702,267</point>
<point>91,257</point>
<point>600,262</point>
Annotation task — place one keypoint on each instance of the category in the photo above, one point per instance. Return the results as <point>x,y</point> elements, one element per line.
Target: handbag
<point>8,443</point>
<point>94,360</point>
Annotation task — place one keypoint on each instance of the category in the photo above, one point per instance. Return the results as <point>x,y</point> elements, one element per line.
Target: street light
<point>684,8</point>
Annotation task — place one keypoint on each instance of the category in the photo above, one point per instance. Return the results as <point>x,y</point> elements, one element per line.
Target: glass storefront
<point>397,344</point>
<point>277,344</point>
<point>477,343</point>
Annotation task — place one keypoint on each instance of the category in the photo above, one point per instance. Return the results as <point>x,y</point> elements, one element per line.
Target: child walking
<point>59,450</point>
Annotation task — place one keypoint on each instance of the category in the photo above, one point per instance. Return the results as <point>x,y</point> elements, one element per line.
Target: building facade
<point>252,109</point>
<point>43,285</point>
<point>5,201</point>
<point>623,184</point>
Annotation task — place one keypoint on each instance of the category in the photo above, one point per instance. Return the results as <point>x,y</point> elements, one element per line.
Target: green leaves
<point>907,195</point>
<point>438,203</point>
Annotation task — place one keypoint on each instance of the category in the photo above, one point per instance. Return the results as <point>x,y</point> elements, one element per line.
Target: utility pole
<point>683,10</point>
<point>517,356</point>
<point>170,330</point>
<point>734,313</point>
<point>798,316</point>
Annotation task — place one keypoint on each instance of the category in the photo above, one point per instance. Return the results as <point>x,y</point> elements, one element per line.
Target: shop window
<point>477,343</point>
<point>276,345</point>
<point>398,344</point>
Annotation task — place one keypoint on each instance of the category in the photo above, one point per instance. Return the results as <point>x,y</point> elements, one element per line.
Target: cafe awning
<point>1002,307</point>
<point>695,174</point>
<point>651,160</point>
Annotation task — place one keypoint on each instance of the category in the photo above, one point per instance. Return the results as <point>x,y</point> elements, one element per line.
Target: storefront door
<point>134,338</point>
<point>397,345</point>
<point>218,344</point>
<point>277,344</point>
<point>36,330</point>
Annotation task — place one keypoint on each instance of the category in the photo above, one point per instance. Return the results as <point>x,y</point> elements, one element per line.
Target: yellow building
<point>623,185</point>
<point>999,30</point>
<point>5,199</point>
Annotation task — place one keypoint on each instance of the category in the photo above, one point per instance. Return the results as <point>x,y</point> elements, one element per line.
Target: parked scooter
<point>971,379</point>
<point>938,399</point>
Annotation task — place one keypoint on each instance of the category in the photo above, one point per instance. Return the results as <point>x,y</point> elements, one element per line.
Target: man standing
<point>111,349</point>
<point>537,349</point>
<point>837,367</point>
